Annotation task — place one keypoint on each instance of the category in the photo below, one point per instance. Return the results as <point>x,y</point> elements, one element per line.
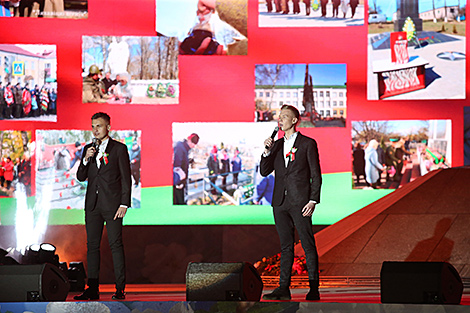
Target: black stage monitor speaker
<point>223,282</point>
<point>40,282</point>
<point>420,282</point>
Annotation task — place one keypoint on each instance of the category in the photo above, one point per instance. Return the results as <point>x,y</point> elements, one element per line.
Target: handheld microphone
<point>276,129</point>
<point>95,143</point>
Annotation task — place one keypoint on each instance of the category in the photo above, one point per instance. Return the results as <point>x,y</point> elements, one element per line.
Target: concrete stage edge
<point>166,298</point>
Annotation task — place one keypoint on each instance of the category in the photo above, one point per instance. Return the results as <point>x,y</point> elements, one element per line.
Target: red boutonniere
<point>291,154</point>
<point>104,158</point>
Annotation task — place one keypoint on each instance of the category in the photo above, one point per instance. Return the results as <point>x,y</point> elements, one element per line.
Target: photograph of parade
<point>15,163</point>
<point>58,155</point>
<point>205,27</point>
<point>318,91</point>
<point>28,82</point>
<point>310,13</point>
<point>218,163</point>
<point>130,70</point>
<point>71,9</point>
<point>390,154</point>
<point>416,49</point>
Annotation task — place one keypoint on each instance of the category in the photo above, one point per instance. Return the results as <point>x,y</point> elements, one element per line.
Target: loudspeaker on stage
<point>420,282</point>
<point>223,282</point>
<point>39,282</point>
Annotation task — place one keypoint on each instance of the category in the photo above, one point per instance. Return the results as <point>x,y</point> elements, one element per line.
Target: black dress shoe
<point>119,295</point>
<point>88,294</point>
<point>278,294</point>
<point>313,295</point>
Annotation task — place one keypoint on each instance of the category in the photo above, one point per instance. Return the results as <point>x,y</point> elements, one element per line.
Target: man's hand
<point>308,209</point>
<point>120,212</point>
<point>90,152</point>
<point>268,143</point>
<point>206,6</point>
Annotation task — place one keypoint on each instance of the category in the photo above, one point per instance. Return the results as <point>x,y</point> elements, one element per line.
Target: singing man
<point>106,165</point>
<point>295,161</point>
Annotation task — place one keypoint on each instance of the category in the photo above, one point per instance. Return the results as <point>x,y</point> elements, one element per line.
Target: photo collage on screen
<point>198,86</point>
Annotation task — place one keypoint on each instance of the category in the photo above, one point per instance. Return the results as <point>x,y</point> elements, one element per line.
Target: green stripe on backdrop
<point>338,200</point>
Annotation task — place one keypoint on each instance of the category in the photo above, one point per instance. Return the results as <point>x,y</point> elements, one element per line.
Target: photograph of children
<point>206,27</point>
<point>44,8</point>
<point>130,70</point>
<point>390,154</point>
<point>217,163</point>
<point>416,50</point>
<point>318,91</point>
<point>28,82</point>
<point>310,13</point>
<point>58,155</point>
<point>15,163</point>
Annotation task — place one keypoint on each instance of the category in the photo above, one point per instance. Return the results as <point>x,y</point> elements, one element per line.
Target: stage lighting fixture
<point>76,275</point>
<point>6,260</point>
<point>31,255</point>
<point>47,254</point>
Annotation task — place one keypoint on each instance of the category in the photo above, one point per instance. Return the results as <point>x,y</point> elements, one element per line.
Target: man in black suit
<point>295,160</point>
<point>106,166</point>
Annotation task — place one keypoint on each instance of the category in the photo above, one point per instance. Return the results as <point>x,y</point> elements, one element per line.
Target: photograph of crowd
<point>28,82</point>
<point>310,13</point>
<point>130,70</point>
<point>58,155</point>
<point>390,154</point>
<point>15,163</point>
<point>44,8</point>
<point>416,50</point>
<point>205,27</point>
<point>318,91</point>
<point>218,163</point>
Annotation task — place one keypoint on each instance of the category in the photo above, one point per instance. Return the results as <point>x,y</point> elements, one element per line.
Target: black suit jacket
<point>301,180</point>
<point>110,185</point>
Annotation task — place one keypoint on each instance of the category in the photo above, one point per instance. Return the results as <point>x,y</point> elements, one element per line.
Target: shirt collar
<point>292,137</point>
<point>104,144</point>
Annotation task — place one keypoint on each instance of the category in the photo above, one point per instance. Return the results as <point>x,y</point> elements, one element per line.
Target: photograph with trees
<point>390,154</point>
<point>15,164</point>
<point>129,69</point>
<point>318,91</point>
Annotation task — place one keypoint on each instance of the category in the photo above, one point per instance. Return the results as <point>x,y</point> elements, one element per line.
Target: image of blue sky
<point>388,7</point>
<point>406,127</point>
<point>322,74</point>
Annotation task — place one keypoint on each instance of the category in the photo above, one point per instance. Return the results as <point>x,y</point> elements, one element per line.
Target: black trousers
<point>179,195</point>
<point>94,222</point>
<point>288,218</point>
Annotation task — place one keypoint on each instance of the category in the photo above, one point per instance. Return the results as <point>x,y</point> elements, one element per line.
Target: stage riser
<point>215,307</point>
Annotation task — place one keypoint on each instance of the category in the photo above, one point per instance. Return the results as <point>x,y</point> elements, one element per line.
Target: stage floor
<point>177,292</point>
<point>171,298</point>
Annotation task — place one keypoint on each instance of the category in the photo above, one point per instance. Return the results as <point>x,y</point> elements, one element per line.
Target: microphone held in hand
<point>276,129</point>
<point>95,143</point>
